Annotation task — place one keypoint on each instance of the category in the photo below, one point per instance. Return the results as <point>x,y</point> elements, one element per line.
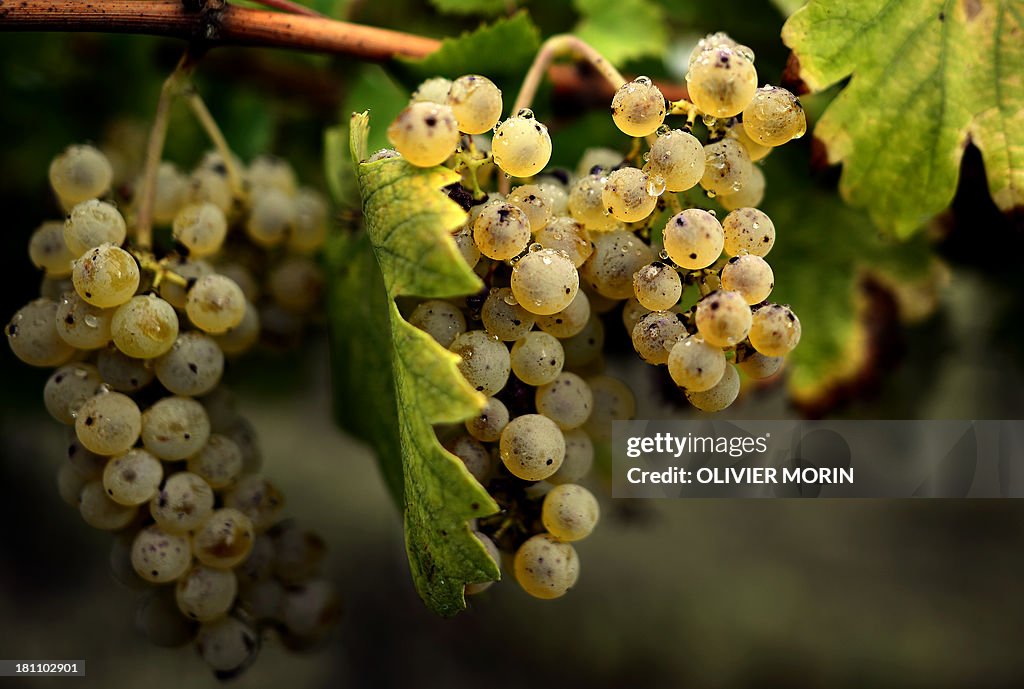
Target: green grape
<point>545,567</point>
<point>748,230</point>
<point>492,552</point>
<point>532,447</point>
<point>755,150</point>
<point>632,312</point>
<point>175,428</point>
<point>219,463</point>
<point>206,593</point>
<point>241,276</point>
<point>503,317</point>
<point>271,219</point>
<point>677,157</point>
<point>775,330</point>
<point>566,400</point>
<point>296,283</point>
<point>221,408</point>
<point>193,366</point>
<point>501,231</point>
<point>570,512</point>
<point>579,458</point>
<point>537,358</point>
<point>121,372</point>
<point>215,304</point>
<point>521,145</point>
<point>568,236</point>
<point>485,360</point>
<point>108,423</point>
<point>585,346</point>
<point>721,81</point>
<point>757,365</point>
<point>750,276</point>
<point>466,245</point>
<point>48,250</point>
<point>426,134</point>
<point>536,202</point>
<point>299,555</point>
<point>309,231</point>
<point>210,186</point>
<point>93,223</point>
<point>270,172</point>
<point>696,365</point>
<point>171,193</point>
<point>89,465</point>
<point>80,173</point>
<point>720,396</point>
<point>259,499</point>
<point>727,167</point>
<point>54,288</point>
<point>474,455</point>
<point>224,540</point>
<point>227,645</point>
<point>439,319</point>
<point>569,321</point>
<point>723,318</point>
<point>657,286</point>
<point>100,512</point>
<point>160,557</point>
<point>476,103</point>
<point>555,193</point>
<point>774,116</point>
<point>82,325</point>
<point>33,336</point>
<point>617,256</point>
<point>655,334</point>
<point>68,388</point>
<point>627,195</point>
<point>70,484</point>
<point>182,504</point>
<point>490,422</point>
<point>545,281</point>
<point>434,90</point>
<point>613,401</point>
<point>243,336</point>
<point>190,270</point>
<point>638,107</point>
<point>106,276</point>
<point>693,239</point>
<point>133,477</point>
<point>749,196</point>
<point>145,327</point>
<point>586,203</point>
<point>201,228</point>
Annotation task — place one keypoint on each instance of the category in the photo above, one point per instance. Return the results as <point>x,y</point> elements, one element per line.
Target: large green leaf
<point>622,30</point>
<point>392,380</point>
<point>927,76</point>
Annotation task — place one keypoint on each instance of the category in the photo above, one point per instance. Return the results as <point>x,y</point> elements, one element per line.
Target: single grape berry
<point>570,512</point>
<point>532,447</point>
<point>750,195</point>
<point>536,201</point>
<point>206,593</point>
<point>755,150</point>
<point>132,478</point>
<point>476,103</point>
<point>106,276</point>
<point>638,107</point>
<point>721,81</point>
<point>433,90</point>
<point>628,195</point>
<point>655,334</point>
<point>33,335</point>
<point>586,203</point>
<point>568,236</point>
<point>723,318</point>
<point>774,116</point>
<point>727,167</point>
<point>175,428</point>
<point>426,134</point>
<point>677,157</point>
<point>68,388</point>
<point>750,276</point>
<point>201,228</point>
<point>566,400</point>
<point>537,358</point>
<point>501,230</point>
<point>757,365</point>
<point>485,360</point>
<point>693,239</point>
<point>80,173</point>
<point>657,286</point>
<point>271,217</point>
<point>618,255</point>
<point>775,330</point>
<point>503,316</point>
<point>718,397</point>
<point>48,250</point>
<point>695,364</point>
<point>145,327</point>
<point>82,325</point>
<point>215,303</point>
<point>545,567</point>
<point>544,281</point>
<point>108,423</point>
<point>474,455</point>
<point>613,401</point>
<point>748,230</point>
<point>159,556</point>
<point>570,320</point>
<point>92,223</point>
<point>439,319</point>
<point>490,422</point>
<point>521,145</point>
<point>183,503</point>
<point>579,458</point>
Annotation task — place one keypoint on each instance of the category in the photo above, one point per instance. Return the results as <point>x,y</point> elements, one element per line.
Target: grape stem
<point>290,7</point>
<point>209,125</point>
<point>161,273</point>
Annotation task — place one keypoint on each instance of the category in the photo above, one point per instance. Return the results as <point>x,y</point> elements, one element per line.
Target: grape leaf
<point>927,77</point>
<point>471,7</point>
<point>392,380</point>
<point>622,30</point>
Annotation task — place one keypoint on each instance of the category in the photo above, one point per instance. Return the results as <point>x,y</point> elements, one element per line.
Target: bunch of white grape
<point>156,450</point>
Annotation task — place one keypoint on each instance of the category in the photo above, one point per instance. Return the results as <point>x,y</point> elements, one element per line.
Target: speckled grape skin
<point>774,116</point>
<point>721,82</point>
<point>490,422</point>
<point>722,395</point>
<point>201,228</point>
<point>586,203</point>
<point>68,388</point>
<point>570,320</point>
<point>569,236</point>
<point>426,134</point>
<point>132,478</point>
<point>257,498</point>
<point>503,317</point>
<point>227,645</point>
<point>192,367</point>
<point>473,454</point>
<point>106,276</point>
<point>183,502</point>
<point>433,90</point>
<point>749,275</point>
<point>723,318</point>
<point>206,593</point>
<point>696,365</point>
<point>655,334</point>
<point>440,319</point>
<point>145,327</point>
<point>617,256</point>
<point>485,360</point>
<point>545,281</point>
<point>175,428</point>
<point>566,400</point>
<point>219,463</point>
<point>160,557</point>
<point>91,224</point>
<point>33,337</point>
<point>693,238</point>
<point>755,150</point>
<point>224,540</point>
<point>748,230</point>
<point>521,146</point>
<point>501,230</point>
<point>626,197</point>
<point>613,401</point>
<point>123,373</point>
<point>757,365</point>
<point>727,167</point>
<point>536,202</point>
<point>750,195</point>
<point>80,173</point>
<point>657,286</point>
<point>775,330</point>
<point>464,242</point>
<point>82,325</point>
<point>476,103</point>
<point>532,447</point>
<point>48,250</point>
<point>537,358</point>
<point>215,304</point>
<point>100,512</point>
<point>678,158</point>
<point>638,107</point>
<point>570,512</point>
<point>108,423</point>
<point>585,347</point>
<point>545,567</point>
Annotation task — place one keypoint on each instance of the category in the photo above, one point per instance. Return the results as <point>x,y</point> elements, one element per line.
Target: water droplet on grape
<point>663,130</point>
<point>709,120</point>
<point>712,212</point>
<point>663,254</point>
<point>525,113</point>
<point>91,321</point>
<point>711,194</point>
<point>643,81</point>
<point>535,247</point>
<point>656,185</point>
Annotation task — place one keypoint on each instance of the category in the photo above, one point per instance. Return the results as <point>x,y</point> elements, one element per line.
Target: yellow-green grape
<point>485,360</point>
<point>68,388</point>
<point>774,116</point>
<point>722,395</point>
<point>750,276</point>
<point>215,303</point>
<point>719,39</point>
<point>33,336</point>
<point>570,320</point>
<point>750,195</point>
<point>211,186</point>
<point>775,330</point>
<point>586,203</point>
<point>618,255</point>
<point>242,277</point>
<point>176,294</point>
<point>613,401</point>
<point>257,498</point>
<point>92,223</point>
<point>54,288</point>
<point>632,312</point>
<point>183,502</point>
<point>503,317</point>
<point>492,552</point>
<point>440,319</point>
<point>532,447</point>
<point>80,173</point>
<point>545,567</point>
<point>677,157</point>
<point>243,336</point>
<point>159,556</point>
<point>723,318</point>
<point>566,235</point>
<point>537,358</point>
<point>108,423</point>
<point>521,145</point>
<point>70,484</point>
<point>309,231</point>
<point>206,593</point>
<point>224,539</point>
<point>132,478</point>
<point>655,334</point>
<point>721,81</point>
<point>579,458</point>
<point>88,464</point>
<point>727,167</point>
<point>272,217</point>
<point>627,195</point>
<point>566,400</point>
<point>121,372</point>
<point>298,554</point>
<point>570,512</point>
<point>227,645</point>
<point>106,276</point>
<point>175,428</point>
<point>556,194</point>
<point>48,250</point>
<point>638,107</point>
<point>244,434</point>
<point>693,239</point>
<point>598,157</point>
<point>490,422</point>
<point>271,172</point>
<point>193,366</point>
<point>750,231</point>
<point>219,463</point>
<point>695,364</point>
<point>585,346</point>
<point>145,327</point>
<point>296,283</point>
<point>536,202</point>
<point>657,286</point>
<point>171,193</point>
<point>200,228</point>
<point>426,134</point>
<point>82,325</point>
<point>501,231</point>
<point>466,245</point>
<point>755,150</point>
<point>545,281</point>
<point>757,365</point>
<point>434,90</point>
<point>476,103</point>
<point>100,512</point>
<point>474,455</point>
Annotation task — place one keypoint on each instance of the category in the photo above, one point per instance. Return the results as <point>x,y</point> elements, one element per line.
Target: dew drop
<point>535,247</point>
<point>709,120</point>
<point>525,113</point>
<point>656,185</point>
<point>663,254</point>
<point>91,321</point>
<point>711,194</point>
<point>712,212</point>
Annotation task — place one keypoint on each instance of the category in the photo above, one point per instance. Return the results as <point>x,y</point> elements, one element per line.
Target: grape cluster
<point>157,451</point>
<point>560,251</point>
